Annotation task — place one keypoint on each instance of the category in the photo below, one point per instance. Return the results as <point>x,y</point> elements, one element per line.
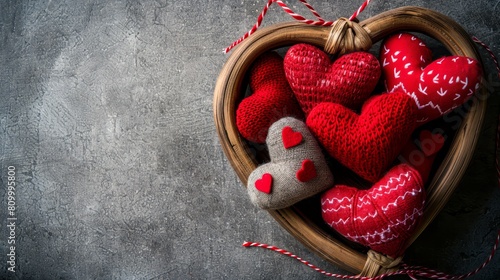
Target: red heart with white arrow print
<point>437,86</point>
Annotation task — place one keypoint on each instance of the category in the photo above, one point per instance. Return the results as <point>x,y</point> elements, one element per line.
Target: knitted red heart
<point>366,143</point>
<point>307,172</point>
<point>437,87</point>
<point>265,183</point>
<point>271,100</point>
<point>315,79</point>
<point>290,138</point>
<point>382,217</point>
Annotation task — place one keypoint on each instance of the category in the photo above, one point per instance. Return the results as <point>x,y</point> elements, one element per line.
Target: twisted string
<point>497,66</point>
<point>359,10</point>
<point>319,20</point>
<point>490,52</point>
<point>298,17</point>
<point>313,11</point>
<point>412,271</point>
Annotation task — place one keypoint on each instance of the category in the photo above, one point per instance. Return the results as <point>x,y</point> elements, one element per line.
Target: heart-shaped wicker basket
<point>347,36</point>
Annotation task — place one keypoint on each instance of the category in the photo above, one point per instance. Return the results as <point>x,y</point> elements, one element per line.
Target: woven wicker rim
<point>414,19</point>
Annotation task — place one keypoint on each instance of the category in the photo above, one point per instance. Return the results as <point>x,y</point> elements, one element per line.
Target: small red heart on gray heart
<point>307,171</point>
<point>290,138</point>
<point>265,183</point>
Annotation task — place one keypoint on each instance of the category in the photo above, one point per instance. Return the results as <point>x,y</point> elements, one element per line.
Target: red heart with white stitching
<point>383,217</point>
<point>437,86</point>
<point>313,77</point>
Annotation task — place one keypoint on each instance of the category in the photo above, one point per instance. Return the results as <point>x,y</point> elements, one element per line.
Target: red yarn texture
<point>383,217</point>
<point>367,143</point>
<point>272,99</point>
<point>436,86</point>
<point>315,79</point>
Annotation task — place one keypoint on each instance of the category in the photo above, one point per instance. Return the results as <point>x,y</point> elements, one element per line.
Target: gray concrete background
<point>106,115</point>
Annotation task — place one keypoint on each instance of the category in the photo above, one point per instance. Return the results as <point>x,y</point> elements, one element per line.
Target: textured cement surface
<point>106,115</point>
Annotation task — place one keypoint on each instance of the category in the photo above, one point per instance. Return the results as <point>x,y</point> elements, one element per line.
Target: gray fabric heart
<point>297,170</point>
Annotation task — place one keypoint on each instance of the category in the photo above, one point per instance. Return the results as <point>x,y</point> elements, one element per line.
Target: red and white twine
<point>490,52</point>
<point>319,20</point>
<point>359,10</point>
<point>497,66</point>
<point>412,271</point>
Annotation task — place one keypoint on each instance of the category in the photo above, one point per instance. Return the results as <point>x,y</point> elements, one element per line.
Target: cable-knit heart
<point>272,99</point>
<point>436,86</point>
<point>367,143</point>
<point>382,217</point>
<point>313,77</point>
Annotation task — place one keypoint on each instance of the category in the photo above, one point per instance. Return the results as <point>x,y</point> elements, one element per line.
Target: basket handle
<point>378,264</point>
<point>347,36</point>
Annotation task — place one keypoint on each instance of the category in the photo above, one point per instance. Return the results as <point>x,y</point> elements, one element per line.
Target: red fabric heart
<point>430,143</point>
<point>367,143</point>
<point>437,87</point>
<point>315,79</point>
<point>307,172</point>
<point>290,138</point>
<point>271,100</point>
<point>265,183</point>
<point>383,217</point>
<point>421,153</point>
